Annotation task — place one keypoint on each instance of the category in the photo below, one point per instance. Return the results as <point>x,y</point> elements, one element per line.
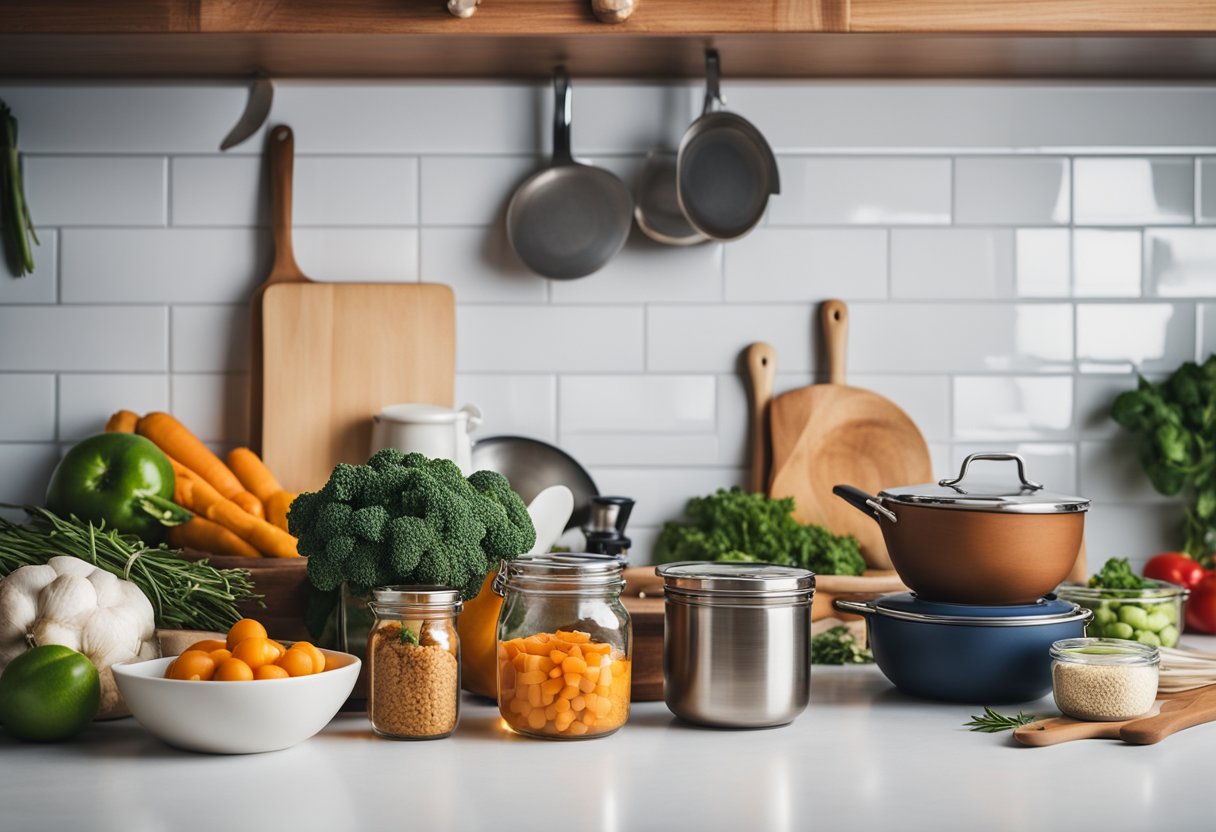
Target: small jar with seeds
<point>413,660</point>
<point>1104,679</point>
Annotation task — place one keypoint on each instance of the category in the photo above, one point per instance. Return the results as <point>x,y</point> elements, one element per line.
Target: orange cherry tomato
<point>243,629</point>
<point>318,658</point>
<point>296,663</point>
<point>270,671</point>
<point>207,645</point>
<point>192,666</point>
<point>255,652</point>
<point>219,655</point>
<point>233,670</point>
<point>277,646</point>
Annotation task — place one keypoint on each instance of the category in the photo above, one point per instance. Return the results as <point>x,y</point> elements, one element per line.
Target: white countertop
<point>861,757</point>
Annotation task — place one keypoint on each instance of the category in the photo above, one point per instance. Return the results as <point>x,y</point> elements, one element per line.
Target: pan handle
<point>713,73</point>
<point>562,107</point>
<point>864,502</point>
<point>862,608</point>
<point>997,457</point>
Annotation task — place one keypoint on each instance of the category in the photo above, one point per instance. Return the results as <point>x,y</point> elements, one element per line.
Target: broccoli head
<point>405,518</point>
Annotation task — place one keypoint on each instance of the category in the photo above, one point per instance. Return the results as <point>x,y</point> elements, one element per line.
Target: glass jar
<point>413,660</point>
<point>1104,679</point>
<point>564,646</point>
<point>1152,615</point>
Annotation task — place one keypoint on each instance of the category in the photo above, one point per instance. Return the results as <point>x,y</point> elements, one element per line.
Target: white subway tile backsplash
<point>1012,407</point>
<point>1181,262</point>
<point>1094,396</point>
<point>806,264</point>
<point>25,471</point>
<point>174,265</point>
<point>636,404</point>
<point>354,255</point>
<point>1014,191</point>
<point>480,266</point>
<point>219,191</point>
<point>1053,464</point>
<point>1132,531</point>
<point>846,191</point>
<point>214,406</point>
<point>1043,257</point>
<point>511,405</point>
<point>662,494</point>
<point>28,402</point>
<point>1207,330</point>
<point>1111,472</point>
<point>96,190</point>
<point>209,339</point>
<point>356,190</point>
<point>87,401</point>
<point>951,263</point>
<point>1149,191</point>
<point>646,271</point>
<point>712,338</point>
<point>549,339</point>
<point>642,449</point>
<point>471,190</point>
<point>959,338</point>
<point>84,338</point>
<point>1106,263</point>
<point>1206,198</point>
<point>39,286</point>
<point>1149,337</point>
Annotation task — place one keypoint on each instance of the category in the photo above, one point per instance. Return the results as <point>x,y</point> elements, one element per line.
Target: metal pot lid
<point>1028,497</point>
<point>1047,610</point>
<point>736,579</point>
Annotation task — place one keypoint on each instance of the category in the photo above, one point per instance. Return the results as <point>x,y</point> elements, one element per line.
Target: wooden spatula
<point>761,366</point>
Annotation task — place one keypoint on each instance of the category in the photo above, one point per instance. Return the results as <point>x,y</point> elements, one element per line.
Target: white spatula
<point>550,511</point>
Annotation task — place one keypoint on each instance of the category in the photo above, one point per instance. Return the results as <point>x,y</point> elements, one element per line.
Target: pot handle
<point>995,457</point>
<point>864,502</point>
<point>862,608</point>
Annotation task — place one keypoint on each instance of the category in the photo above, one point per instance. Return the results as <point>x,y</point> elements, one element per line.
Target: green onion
<point>16,227</point>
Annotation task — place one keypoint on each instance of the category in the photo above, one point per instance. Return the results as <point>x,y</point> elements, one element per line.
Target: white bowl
<point>235,717</point>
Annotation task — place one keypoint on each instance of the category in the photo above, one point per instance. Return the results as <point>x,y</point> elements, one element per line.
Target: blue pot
<point>964,652</point>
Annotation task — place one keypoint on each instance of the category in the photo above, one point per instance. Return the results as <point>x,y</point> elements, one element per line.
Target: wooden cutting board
<point>1173,713</point>
<point>828,434</point>
<point>329,356</point>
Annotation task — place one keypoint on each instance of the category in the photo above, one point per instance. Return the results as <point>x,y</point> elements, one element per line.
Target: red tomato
<point>1176,568</point>
<point>1201,608</point>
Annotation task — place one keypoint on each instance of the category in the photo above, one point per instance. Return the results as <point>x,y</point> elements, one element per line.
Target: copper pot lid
<point>1028,497</point>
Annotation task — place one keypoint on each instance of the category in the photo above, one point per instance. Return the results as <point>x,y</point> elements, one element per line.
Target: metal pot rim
<point>1077,613</point>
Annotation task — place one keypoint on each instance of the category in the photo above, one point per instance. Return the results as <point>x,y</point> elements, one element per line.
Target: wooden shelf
<point>664,38</point>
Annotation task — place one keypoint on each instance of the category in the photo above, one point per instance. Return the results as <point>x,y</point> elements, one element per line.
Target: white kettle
<point>428,429</point>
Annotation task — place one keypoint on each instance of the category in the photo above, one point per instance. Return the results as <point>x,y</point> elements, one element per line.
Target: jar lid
<point>1046,610</point>
<point>575,570</point>
<point>416,595</point>
<point>736,580</point>
<point>1027,497</point>
<point>1104,651</point>
<point>1160,590</point>
<point>426,414</point>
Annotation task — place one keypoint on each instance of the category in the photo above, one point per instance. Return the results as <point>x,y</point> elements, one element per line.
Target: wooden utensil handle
<point>1175,716</point>
<point>834,317</point>
<point>282,161</point>
<point>1064,729</point>
<point>761,365</point>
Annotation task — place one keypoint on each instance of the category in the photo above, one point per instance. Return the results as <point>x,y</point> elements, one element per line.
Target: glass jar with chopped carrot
<point>564,646</point>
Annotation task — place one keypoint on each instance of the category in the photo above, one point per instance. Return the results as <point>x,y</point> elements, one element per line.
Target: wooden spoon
<point>1066,729</point>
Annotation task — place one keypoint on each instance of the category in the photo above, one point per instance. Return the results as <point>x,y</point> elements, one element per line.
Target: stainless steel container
<point>736,646</point>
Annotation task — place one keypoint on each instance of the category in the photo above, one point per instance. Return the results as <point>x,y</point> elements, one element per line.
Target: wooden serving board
<point>1173,713</point>
<point>830,434</point>
<point>331,355</point>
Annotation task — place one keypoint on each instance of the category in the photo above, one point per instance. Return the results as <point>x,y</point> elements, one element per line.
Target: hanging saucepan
<point>725,170</point>
<point>658,211</point>
<point>569,219</point>
<point>978,543</point>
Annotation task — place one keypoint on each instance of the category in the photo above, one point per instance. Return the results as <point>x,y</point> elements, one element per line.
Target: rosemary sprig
<point>990,722</point>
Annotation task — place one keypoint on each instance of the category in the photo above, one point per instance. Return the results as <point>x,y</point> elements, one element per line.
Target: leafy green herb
<point>838,646</point>
<point>990,722</point>
<point>735,525</point>
<point>1175,424</point>
<point>16,227</point>
<point>408,636</point>
<point>1117,573</point>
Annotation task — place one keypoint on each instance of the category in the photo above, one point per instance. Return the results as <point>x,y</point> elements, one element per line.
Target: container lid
<point>1046,610</point>
<point>1159,591</point>
<point>416,595</point>
<point>1028,497</point>
<point>576,570</point>
<point>736,580</point>
<point>1105,651</point>
<point>422,414</point>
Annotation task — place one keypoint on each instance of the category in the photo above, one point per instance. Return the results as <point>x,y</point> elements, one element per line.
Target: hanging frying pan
<point>726,170</point>
<point>568,220</point>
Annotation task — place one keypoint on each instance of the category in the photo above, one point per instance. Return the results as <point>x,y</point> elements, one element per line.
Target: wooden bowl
<point>283,583</point>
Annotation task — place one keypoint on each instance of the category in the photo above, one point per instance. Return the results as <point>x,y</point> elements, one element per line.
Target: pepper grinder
<point>605,532</point>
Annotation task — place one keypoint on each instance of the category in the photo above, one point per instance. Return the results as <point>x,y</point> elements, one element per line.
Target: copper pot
<point>977,543</point>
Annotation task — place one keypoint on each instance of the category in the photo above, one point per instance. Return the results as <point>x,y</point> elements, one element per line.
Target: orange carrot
<point>277,506</point>
<point>206,536</point>
<point>123,421</point>
<point>253,474</point>
<point>195,493</point>
<point>172,437</point>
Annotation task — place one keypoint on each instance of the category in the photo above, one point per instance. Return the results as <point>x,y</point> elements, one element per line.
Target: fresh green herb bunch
<point>404,518</point>
<point>1117,573</point>
<point>1175,422</point>
<point>734,525</point>
<point>838,645</point>
<point>16,227</point>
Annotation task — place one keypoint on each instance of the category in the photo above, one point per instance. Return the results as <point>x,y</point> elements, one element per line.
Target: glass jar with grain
<point>564,646</point>
<point>413,659</point>
<point>1104,679</point>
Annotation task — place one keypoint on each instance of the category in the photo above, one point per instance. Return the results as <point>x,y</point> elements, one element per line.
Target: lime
<point>49,693</point>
